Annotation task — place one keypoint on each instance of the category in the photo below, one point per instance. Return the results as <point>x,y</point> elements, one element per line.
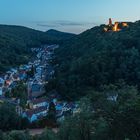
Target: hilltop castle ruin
<point>117,26</point>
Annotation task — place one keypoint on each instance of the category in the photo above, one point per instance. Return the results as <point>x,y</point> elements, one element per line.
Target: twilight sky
<point>67,15</point>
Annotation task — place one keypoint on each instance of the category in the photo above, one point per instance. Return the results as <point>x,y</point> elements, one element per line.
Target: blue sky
<point>67,15</point>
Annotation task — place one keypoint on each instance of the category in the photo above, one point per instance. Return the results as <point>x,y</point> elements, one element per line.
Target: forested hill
<point>59,35</point>
<point>95,58</point>
<point>15,42</point>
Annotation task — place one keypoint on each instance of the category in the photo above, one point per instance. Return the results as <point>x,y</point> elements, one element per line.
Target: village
<point>35,75</point>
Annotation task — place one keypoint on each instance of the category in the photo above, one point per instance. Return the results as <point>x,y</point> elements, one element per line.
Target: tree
<point>48,134</point>
<point>8,118</point>
<point>1,135</point>
<point>52,113</point>
<point>32,72</point>
<point>80,126</point>
<point>20,92</point>
<point>18,135</point>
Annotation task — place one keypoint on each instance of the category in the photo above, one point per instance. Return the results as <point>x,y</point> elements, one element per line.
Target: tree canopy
<point>95,58</point>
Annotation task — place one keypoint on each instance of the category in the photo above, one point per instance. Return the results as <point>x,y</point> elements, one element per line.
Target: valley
<point>85,87</point>
<point>34,76</point>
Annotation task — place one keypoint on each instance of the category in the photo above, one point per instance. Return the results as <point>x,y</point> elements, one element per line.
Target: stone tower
<point>110,22</point>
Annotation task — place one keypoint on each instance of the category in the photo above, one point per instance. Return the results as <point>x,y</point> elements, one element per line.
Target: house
<point>1,92</point>
<point>39,70</point>
<point>35,114</point>
<point>52,47</point>
<point>9,73</point>
<point>62,111</point>
<point>22,75</point>
<point>1,80</point>
<point>24,67</point>
<point>37,90</point>
<point>112,98</point>
<point>69,106</point>
<point>19,110</point>
<point>1,86</point>
<point>13,85</point>
<point>16,77</point>
<point>41,102</point>
<point>59,105</point>
<point>13,70</point>
<point>8,82</point>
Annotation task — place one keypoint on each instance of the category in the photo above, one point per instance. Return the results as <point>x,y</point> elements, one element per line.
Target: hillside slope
<point>59,35</point>
<point>95,58</point>
<point>15,42</point>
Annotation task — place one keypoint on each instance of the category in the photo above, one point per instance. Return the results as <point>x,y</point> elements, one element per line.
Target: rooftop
<point>29,113</point>
<point>40,100</point>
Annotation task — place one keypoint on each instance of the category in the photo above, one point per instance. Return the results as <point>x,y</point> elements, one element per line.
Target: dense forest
<point>58,35</point>
<point>102,70</point>
<point>96,58</point>
<point>16,41</point>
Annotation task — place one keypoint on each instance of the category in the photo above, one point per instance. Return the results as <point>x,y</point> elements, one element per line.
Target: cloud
<point>69,23</point>
<point>62,23</point>
<point>46,25</point>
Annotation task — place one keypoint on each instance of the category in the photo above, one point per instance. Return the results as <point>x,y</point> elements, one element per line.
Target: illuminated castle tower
<point>110,22</point>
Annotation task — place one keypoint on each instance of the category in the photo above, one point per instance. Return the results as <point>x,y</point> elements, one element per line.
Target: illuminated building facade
<point>116,27</point>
